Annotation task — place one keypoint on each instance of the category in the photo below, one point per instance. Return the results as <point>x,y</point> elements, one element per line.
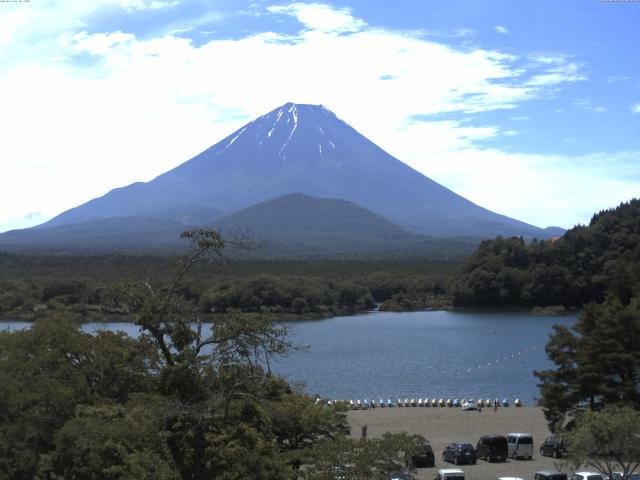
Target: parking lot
<point>442,426</point>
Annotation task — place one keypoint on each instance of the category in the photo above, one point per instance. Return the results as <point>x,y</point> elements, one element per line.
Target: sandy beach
<point>442,426</point>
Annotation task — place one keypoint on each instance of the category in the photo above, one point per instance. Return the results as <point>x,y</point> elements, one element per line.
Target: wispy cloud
<point>618,78</point>
<point>502,29</point>
<point>635,108</point>
<point>32,215</point>
<point>504,182</point>
<point>587,104</point>
<point>464,32</point>
<point>138,5</point>
<point>562,71</point>
<point>321,17</point>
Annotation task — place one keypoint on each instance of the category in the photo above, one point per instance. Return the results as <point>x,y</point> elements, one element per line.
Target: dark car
<point>492,447</point>
<point>425,458</point>
<point>553,447</point>
<point>459,453</point>
<point>549,475</point>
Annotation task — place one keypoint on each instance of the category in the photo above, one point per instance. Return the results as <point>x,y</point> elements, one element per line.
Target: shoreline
<point>289,317</point>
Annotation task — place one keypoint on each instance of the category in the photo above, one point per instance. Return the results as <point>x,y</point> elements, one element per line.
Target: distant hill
<point>583,265</point>
<point>552,232</point>
<point>298,222</point>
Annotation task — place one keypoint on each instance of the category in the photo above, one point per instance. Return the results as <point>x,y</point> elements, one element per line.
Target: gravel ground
<point>442,426</point>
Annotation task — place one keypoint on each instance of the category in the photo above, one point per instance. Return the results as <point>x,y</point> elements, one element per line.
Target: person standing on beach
<point>495,404</point>
<point>364,431</point>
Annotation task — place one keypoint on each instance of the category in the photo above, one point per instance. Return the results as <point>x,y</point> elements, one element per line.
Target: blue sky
<point>530,109</point>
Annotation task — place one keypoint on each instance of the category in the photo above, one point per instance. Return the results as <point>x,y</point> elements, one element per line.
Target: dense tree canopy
<point>184,400</point>
<point>597,361</point>
<point>88,287</point>
<point>372,459</point>
<point>580,267</point>
<point>607,440</point>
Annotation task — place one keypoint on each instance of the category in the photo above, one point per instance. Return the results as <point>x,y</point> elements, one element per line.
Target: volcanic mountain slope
<point>122,234</point>
<point>307,149</point>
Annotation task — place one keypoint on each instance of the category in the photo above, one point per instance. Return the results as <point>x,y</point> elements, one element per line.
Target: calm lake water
<point>415,355</point>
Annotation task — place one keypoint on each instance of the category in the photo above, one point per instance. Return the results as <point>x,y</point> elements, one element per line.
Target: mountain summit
<point>306,149</point>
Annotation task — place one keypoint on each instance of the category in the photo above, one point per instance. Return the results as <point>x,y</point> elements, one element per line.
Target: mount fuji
<point>295,148</point>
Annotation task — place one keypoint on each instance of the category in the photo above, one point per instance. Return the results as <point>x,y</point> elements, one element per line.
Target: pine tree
<point>598,361</point>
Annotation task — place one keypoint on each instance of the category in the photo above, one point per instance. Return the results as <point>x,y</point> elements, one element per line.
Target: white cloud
<point>94,44</point>
<point>137,5</point>
<point>502,29</point>
<point>587,104</point>
<point>562,72</point>
<point>543,190</point>
<point>464,32</point>
<point>635,108</point>
<point>618,78</point>
<point>321,17</point>
<point>549,59</point>
<point>140,107</point>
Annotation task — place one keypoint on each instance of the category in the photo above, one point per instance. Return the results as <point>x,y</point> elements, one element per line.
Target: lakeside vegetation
<point>87,287</point>
<point>174,403</point>
<point>583,266</point>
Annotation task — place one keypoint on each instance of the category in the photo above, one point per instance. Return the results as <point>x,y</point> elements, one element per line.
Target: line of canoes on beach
<point>426,402</point>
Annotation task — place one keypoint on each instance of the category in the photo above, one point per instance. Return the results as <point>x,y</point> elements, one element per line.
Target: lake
<point>439,354</point>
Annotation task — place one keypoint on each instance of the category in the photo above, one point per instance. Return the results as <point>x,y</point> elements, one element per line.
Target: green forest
<point>179,402</point>
<point>582,266</point>
<point>87,287</point>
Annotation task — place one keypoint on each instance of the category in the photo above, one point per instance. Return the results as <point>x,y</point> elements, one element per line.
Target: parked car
<point>520,445</point>
<point>553,447</point>
<point>492,447</point>
<point>549,475</point>
<point>425,458</point>
<point>469,406</point>
<point>459,453</point>
<point>450,474</point>
<point>586,476</point>
<point>618,476</point>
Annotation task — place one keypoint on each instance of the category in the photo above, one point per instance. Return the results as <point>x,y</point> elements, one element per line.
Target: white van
<point>520,445</point>
<point>450,474</point>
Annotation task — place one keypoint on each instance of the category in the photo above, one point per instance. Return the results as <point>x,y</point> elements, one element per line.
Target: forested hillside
<point>580,267</point>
